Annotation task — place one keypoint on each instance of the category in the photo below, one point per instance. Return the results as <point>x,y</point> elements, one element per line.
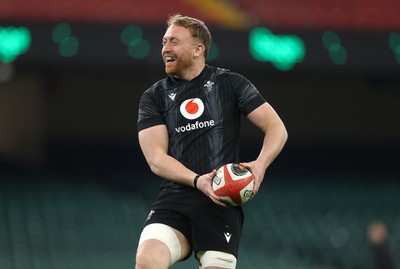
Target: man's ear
<point>199,50</point>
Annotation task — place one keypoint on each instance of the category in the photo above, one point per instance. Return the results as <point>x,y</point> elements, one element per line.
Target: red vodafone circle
<point>192,108</point>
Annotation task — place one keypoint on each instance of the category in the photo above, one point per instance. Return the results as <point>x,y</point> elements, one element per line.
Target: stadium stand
<point>309,14</point>
<point>62,222</point>
<point>320,14</point>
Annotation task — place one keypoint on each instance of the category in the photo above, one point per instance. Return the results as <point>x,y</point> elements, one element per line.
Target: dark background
<point>77,112</point>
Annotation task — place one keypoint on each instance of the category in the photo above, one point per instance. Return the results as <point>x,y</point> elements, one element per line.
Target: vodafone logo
<point>192,108</point>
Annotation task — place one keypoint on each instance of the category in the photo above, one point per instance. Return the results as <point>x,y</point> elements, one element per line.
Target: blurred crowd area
<point>306,14</point>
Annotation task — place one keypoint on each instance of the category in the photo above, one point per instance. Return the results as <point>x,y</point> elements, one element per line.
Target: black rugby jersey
<point>202,116</point>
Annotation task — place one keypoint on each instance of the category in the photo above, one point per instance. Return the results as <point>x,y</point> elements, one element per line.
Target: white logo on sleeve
<point>192,108</point>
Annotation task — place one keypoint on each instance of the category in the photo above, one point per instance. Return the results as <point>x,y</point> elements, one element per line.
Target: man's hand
<point>258,172</point>
<point>204,184</point>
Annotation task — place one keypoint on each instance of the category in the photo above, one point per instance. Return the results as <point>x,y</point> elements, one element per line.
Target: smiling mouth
<point>170,59</point>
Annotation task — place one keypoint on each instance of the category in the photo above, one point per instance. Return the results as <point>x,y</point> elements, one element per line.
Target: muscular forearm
<point>154,144</point>
<point>274,139</point>
<point>169,168</point>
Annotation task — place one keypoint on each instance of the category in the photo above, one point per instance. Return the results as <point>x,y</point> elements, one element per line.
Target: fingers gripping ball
<point>234,184</point>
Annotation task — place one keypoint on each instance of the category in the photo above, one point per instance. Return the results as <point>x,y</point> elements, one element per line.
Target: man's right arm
<point>154,144</point>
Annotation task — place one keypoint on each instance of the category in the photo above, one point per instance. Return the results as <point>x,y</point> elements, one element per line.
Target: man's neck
<point>193,72</point>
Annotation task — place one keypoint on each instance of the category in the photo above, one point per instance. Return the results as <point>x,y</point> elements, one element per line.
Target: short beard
<point>179,69</point>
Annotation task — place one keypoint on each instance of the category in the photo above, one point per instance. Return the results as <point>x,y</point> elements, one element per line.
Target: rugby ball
<point>233,183</point>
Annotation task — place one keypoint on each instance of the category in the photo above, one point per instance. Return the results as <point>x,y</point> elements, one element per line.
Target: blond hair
<point>197,28</point>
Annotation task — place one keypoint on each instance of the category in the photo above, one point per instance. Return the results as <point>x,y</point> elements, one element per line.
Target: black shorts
<point>206,225</point>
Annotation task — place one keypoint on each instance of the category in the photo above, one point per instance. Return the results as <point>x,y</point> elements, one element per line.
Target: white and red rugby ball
<point>234,184</point>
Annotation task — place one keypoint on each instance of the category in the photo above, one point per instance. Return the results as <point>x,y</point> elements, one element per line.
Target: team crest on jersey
<point>192,108</point>
<point>209,85</point>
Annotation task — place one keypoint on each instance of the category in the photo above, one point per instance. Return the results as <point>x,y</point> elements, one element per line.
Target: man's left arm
<point>275,137</point>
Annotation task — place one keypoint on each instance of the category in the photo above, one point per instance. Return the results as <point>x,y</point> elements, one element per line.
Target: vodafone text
<point>194,126</point>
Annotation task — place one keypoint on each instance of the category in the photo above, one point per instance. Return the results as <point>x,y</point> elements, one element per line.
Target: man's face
<point>177,51</point>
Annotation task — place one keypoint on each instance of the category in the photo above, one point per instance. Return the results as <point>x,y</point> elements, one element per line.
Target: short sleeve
<point>249,98</point>
<point>150,110</point>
